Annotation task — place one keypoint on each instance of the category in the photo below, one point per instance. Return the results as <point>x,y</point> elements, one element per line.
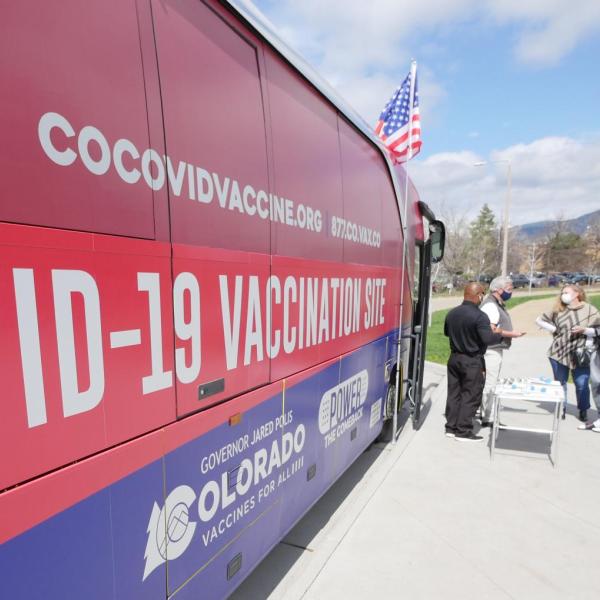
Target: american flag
<point>393,126</point>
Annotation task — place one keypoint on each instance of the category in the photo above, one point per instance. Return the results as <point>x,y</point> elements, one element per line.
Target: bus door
<point>426,253</point>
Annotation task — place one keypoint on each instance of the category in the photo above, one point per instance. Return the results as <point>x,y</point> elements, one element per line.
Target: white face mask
<point>566,298</point>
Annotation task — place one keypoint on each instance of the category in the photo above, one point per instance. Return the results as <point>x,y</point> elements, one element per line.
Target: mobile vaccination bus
<point>211,278</point>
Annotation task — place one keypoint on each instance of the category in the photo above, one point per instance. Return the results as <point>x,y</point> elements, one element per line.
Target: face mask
<point>566,298</point>
<point>506,295</point>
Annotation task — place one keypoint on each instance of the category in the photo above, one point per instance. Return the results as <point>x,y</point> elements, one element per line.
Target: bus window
<point>437,236</point>
<point>417,272</point>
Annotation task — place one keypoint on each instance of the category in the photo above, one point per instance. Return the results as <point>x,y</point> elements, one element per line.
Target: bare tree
<point>456,252</point>
<point>517,254</point>
<point>592,248</point>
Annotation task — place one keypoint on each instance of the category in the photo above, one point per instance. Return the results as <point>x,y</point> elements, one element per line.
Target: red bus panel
<point>73,117</point>
<point>322,310</point>
<point>362,168</point>
<point>217,169</point>
<point>307,166</point>
<point>220,324</point>
<point>214,127</point>
<point>86,350</point>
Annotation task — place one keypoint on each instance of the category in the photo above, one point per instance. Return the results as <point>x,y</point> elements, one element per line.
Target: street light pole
<point>504,262</point>
<point>504,267</point>
<point>531,266</point>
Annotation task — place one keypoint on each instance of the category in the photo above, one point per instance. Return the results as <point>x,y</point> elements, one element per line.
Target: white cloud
<point>361,47</point>
<point>364,50</point>
<point>367,94</point>
<point>550,29</point>
<point>550,177</point>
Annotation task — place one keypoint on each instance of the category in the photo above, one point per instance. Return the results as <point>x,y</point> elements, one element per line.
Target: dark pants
<point>466,378</point>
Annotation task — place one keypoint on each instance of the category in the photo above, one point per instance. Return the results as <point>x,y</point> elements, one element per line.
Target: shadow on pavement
<point>425,409</point>
<point>269,573</point>
<point>304,537</point>
<point>519,441</point>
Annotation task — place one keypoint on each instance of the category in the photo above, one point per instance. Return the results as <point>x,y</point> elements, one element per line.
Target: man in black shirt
<point>470,333</point>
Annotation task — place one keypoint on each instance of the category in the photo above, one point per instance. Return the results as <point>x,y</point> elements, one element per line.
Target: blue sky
<point>514,80</point>
<point>492,100</point>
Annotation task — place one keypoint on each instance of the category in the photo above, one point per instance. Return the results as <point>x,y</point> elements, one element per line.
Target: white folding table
<point>530,390</point>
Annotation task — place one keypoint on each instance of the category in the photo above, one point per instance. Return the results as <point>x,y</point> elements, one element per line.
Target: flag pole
<point>413,77</point>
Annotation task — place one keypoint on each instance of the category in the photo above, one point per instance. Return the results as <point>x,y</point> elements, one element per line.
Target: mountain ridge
<point>540,229</point>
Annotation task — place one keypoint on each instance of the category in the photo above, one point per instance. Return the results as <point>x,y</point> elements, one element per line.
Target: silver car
<point>538,280</point>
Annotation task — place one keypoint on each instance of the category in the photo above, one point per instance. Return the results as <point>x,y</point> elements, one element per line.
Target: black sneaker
<point>469,437</point>
<point>487,423</point>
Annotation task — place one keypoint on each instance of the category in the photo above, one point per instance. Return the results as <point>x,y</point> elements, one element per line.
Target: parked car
<point>538,280</point>
<point>519,280</point>
<point>579,278</point>
<point>459,282</point>
<point>555,280</point>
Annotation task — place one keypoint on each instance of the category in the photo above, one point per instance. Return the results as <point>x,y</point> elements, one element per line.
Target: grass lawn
<point>438,349</point>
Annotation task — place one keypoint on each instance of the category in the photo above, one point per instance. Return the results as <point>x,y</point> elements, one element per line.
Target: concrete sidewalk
<point>433,518</point>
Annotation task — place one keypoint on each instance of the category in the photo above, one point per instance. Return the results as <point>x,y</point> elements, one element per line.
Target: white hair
<point>499,283</point>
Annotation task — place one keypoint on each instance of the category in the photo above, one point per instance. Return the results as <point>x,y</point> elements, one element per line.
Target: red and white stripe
<point>398,142</point>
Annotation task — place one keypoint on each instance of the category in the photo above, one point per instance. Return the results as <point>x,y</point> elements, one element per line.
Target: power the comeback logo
<point>342,406</point>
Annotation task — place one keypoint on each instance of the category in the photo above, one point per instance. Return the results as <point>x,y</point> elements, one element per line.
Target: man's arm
<point>494,315</point>
<point>512,334</point>
<point>492,312</point>
<point>484,330</point>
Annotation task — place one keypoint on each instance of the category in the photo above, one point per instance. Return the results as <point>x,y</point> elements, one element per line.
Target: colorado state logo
<point>170,543</point>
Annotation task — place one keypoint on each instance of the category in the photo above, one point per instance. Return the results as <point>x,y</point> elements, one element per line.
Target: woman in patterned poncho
<point>570,311</point>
